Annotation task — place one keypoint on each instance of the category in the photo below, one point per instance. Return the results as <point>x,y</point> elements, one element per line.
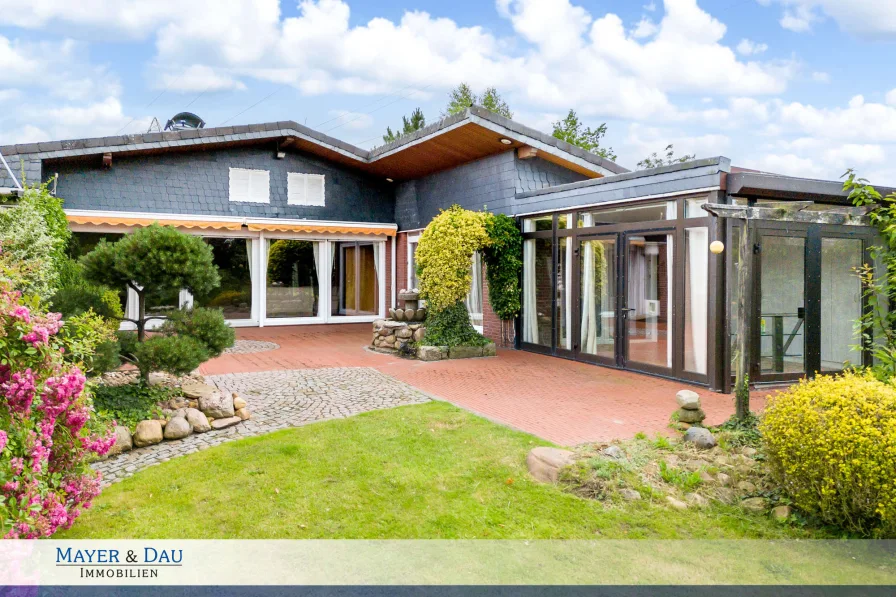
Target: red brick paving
<point>563,401</point>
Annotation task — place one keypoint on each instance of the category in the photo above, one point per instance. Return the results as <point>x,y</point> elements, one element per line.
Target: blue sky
<point>803,87</point>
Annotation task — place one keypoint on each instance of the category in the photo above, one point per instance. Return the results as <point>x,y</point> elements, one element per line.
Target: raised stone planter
<point>396,336</point>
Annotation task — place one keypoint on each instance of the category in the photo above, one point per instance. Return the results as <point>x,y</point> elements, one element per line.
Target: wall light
<point>281,155</point>
<point>389,180</point>
<point>716,247</point>
<point>506,141</point>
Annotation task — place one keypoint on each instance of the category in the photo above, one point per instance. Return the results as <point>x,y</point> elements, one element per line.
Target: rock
<point>163,422</point>
<point>755,504</point>
<point>464,352</point>
<point>148,432</point>
<point>748,451</point>
<point>238,403</point>
<point>227,422</point>
<point>700,437</point>
<point>384,332</point>
<point>243,413</point>
<point>781,512</point>
<point>418,334</point>
<point>629,495</point>
<point>677,504</point>
<point>197,420</point>
<point>404,333</point>
<point>613,452</point>
<point>123,441</point>
<point>688,400</point>
<point>690,416</point>
<point>706,477</point>
<point>156,378</point>
<point>216,404</point>
<point>490,350</point>
<point>377,324</point>
<point>197,390</point>
<point>723,479</point>
<point>697,500</point>
<point>726,494</point>
<point>390,339</point>
<point>178,428</point>
<point>746,487</point>
<point>545,463</point>
<point>432,353</point>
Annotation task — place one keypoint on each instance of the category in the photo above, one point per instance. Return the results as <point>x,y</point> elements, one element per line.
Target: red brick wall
<point>401,261</point>
<point>388,249</point>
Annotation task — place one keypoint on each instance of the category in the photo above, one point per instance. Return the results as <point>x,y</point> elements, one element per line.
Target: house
<point>307,229</point>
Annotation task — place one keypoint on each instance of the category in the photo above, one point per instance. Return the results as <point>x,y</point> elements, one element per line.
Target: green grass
<point>429,471</point>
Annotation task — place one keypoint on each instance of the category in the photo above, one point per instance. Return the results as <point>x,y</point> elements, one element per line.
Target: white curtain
<point>315,246</point>
<point>669,269</point>
<point>567,295</point>
<point>377,251</point>
<point>474,296</point>
<point>530,309</point>
<point>698,287</point>
<point>589,300</point>
<point>638,279</point>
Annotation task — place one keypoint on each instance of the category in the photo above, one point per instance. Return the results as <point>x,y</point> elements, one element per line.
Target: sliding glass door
<point>648,306</point>
<point>597,300</point>
<point>354,284</point>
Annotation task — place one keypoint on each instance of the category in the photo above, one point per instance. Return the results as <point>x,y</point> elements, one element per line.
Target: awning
<point>102,220</point>
<point>321,228</point>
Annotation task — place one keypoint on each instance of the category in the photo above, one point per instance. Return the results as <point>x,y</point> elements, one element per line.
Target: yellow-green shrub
<point>831,444</point>
<point>444,253</point>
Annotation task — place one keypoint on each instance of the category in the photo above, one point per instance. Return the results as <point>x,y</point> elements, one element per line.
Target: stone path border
<point>277,399</point>
<point>250,347</point>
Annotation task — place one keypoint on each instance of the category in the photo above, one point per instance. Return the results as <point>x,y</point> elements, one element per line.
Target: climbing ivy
<point>504,264</point>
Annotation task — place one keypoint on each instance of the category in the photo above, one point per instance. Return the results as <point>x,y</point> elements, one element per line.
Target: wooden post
<point>744,309</point>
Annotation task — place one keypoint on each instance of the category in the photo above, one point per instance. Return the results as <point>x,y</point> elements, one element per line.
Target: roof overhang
<point>470,135</point>
<point>771,186</point>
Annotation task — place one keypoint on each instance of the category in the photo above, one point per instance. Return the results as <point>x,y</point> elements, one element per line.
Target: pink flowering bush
<point>48,435</point>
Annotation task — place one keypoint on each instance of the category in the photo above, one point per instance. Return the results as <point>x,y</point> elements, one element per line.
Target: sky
<point>799,87</point>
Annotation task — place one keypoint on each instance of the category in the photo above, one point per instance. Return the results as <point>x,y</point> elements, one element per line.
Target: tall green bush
<point>504,263</point>
<point>26,239</point>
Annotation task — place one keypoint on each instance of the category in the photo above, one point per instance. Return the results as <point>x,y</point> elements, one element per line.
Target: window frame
<point>250,195</point>
<point>294,179</point>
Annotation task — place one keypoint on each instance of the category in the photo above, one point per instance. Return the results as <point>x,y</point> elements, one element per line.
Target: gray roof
<point>274,130</point>
<point>775,186</point>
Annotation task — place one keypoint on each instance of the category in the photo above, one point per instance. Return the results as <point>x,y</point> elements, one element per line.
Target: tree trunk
<point>744,310</point>
<point>141,316</point>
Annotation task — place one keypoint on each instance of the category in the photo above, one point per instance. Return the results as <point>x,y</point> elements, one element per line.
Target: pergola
<point>784,211</point>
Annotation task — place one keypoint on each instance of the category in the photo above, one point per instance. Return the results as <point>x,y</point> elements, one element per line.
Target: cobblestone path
<point>277,400</point>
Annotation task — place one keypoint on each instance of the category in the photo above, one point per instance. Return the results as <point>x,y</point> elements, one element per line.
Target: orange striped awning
<point>102,220</point>
<point>322,228</point>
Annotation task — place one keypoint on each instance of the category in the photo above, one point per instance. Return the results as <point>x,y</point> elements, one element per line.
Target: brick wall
<point>491,325</point>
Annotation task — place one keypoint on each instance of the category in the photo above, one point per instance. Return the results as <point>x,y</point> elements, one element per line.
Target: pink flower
<point>3,439</point>
<point>76,418</point>
<point>61,391</point>
<point>22,313</point>
<point>99,445</point>
<point>17,465</point>
<point>10,486</point>
<point>19,391</point>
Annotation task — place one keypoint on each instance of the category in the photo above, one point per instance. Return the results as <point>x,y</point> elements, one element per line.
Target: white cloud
<point>643,140</point>
<point>861,17</point>
<point>650,7</point>
<point>197,77</point>
<point>748,47</point>
<point>891,98</point>
<point>644,28</point>
<point>859,121</point>
<point>821,77</point>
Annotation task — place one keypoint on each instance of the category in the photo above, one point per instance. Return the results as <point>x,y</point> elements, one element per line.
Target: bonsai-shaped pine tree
<point>155,260</point>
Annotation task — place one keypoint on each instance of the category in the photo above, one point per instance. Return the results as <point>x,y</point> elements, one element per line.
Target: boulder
<point>781,512</point>
<point>216,404</point>
<point>243,413</point>
<point>675,503</point>
<point>418,334</point>
<point>723,479</point>
<point>404,333</point>
<point>178,428</point>
<point>545,463</point>
<point>688,400</point>
<point>464,352</point>
<point>238,403</point>
<point>697,500</point>
<point>748,451</point>
<point>705,477</point>
<point>691,416</point>
<point>148,432</point>
<point>432,353</point>
<point>156,378</point>
<point>196,390</point>
<point>490,350</point>
<point>757,505</point>
<point>123,441</point>
<point>226,422</point>
<point>613,452</point>
<point>629,495</point>
<point>700,437</point>
<point>197,420</point>
<point>746,487</point>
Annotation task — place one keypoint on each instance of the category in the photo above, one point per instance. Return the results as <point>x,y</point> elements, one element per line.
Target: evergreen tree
<point>408,125</point>
<point>571,130</point>
<point>462,97</point>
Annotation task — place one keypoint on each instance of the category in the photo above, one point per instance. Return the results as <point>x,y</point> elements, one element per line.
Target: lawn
<point>428,471</point>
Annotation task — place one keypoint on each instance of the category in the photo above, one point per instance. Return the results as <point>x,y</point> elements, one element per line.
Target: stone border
<point>251,347</point>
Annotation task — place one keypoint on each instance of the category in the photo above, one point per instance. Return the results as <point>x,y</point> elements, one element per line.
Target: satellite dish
<point>184,121</point>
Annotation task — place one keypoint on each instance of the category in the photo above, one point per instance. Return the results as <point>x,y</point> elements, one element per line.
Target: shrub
<point>205,325</point>
<point>129,404</point>
<point>74,299</point>
<point>831,444</point>
<point>504,264</point>
<point>451,327</point>
<point>82,335</point>
<point>48,432</point>
<point>177,355</point>
<point>25,239</point>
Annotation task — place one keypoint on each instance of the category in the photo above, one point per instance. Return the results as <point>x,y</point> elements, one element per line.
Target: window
<point>474,296</point>
<point>412,263</point>
<point>293,271</point>
<point>641,212</point>
<point>355,278</point>
<point>305,189</point>
<point>250,186</point>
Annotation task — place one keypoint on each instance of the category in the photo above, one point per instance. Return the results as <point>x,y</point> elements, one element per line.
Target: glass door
<point>647,313</point>
<point>781,328</point>
<point>598,289</point>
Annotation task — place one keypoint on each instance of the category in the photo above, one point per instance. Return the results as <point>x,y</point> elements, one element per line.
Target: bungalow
<point>618,271</point>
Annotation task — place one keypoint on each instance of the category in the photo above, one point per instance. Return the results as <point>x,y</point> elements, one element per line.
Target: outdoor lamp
<point>716,247</point>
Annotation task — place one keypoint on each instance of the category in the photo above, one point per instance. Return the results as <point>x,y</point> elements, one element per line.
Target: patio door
<point>598,307</point>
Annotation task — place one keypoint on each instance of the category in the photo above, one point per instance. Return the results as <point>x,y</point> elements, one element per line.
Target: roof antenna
<point>154,126</point>
<point>11,175</point>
